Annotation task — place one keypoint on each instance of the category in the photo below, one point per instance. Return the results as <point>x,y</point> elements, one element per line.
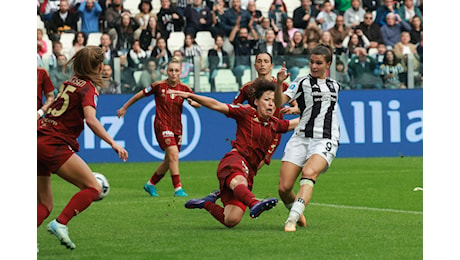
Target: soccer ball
<point>104,183</point>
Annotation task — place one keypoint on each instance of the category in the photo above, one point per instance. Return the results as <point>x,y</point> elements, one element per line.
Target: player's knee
<point>231,222</point>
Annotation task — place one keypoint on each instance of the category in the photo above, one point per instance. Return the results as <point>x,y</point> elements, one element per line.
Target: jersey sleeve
<point>90,98</point>
<point>150,90</point>
<point>47,84</point>
<point>282,125</point>
<point>240,97</point>
<point>236,111</point>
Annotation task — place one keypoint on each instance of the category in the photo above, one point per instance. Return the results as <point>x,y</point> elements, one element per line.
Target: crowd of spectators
<point>370,38</point>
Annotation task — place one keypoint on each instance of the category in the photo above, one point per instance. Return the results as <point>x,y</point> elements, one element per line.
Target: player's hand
<point>122,153</point>
<point>178,93</point>
<point>282,74</point>
<point>121,112</point>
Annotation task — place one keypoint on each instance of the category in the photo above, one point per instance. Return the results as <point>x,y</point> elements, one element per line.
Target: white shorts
<point>299,148</point>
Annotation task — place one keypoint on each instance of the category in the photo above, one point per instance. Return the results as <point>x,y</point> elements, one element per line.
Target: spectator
<point>264,27</point>
<point>303,14</point>
<point>143,17</point>
<point>113,18</point>
<point>218,59</point>
<point>391,31</point>
<point>354,15</point>
<point>389,71</point>
<point>136,56</point>
<point>326,17</point>
<point>162,55</point>
<point>149,36</point>
<point>255,13</point>
<point>272,47</point>
<point>191,50</point>
<point>278,13</point>
<point>169,19</point>
<point>326,38</point>
<point>361,70</point>
<point>341,75</point>
<point>354,39</point>
<point>338,34</point>
<point>371,5</point>
<point>42,47</point>
<point>341,6</point>
<point>47,8</point>
<point>79,42</point>
<point>231,15</point>
<point>149,74</point>
<point>416,29</point>
<point>297,53</point>
<point>218,11</point>
<point>287,32</point>
<point>381,13</point>
<point>125,33</point>
<point>62,21</point>
<point>402,49</point>
<point>57,50</point>
<point>312,35</point>
<point>197,18</point>
<point>58,75</point>
<point>371,30</point>
<point>380,54</point>
<point>111,86</point>
<point>181,5</point>
<point>127,81</point>
<point>89,12</point>
<point>186,67</point>
<point>407,11</point>
<point>109,51</point>
<point>242,46</point>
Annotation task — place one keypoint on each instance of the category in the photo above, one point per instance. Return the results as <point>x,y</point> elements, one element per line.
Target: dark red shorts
<point>52,153</point>
<point>231,165</point>
<point>167,138</point>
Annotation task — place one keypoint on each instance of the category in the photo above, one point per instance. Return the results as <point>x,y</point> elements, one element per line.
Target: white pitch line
<point>366,208</point>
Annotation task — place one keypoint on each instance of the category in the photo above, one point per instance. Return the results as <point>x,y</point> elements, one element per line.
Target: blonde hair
<point>176,59</point>
<point>86,64</point>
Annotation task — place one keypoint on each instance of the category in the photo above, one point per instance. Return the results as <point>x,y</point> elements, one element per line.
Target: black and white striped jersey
<point>317,100</point>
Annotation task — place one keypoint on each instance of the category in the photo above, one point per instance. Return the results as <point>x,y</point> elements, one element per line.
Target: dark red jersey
<point>44,85</point>
<point>247,93</point>
<point>64,119</point>
<point>254,135</point>
<point>168,106</point>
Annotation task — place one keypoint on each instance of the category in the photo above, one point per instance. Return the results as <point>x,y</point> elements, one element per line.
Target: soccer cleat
<point>60,231</point>
<point>289,226</point>
<point>302,222</point>
<point>199,203</point>
<point>151,189</point>
<point>180,193</point>
<point>262,206</point>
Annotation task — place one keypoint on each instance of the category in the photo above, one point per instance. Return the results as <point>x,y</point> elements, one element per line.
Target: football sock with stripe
<point>78,203</point>
<point>243,194</point>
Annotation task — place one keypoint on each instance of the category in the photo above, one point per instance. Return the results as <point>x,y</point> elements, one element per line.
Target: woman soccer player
<point>264,65</point>
<point>256,129</point>
<point>57,142</point>
<point>313,145</point>
<point>167,124</point>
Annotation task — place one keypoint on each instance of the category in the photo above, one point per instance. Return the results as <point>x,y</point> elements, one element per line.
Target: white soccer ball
<point>104,183</point>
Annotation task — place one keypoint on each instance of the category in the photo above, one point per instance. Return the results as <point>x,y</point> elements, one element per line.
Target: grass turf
<point>361,209</point>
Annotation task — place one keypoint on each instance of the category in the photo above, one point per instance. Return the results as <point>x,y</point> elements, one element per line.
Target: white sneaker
<point>60,231</point>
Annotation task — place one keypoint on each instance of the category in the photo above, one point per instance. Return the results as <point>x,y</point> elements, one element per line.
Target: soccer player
<point>256,129</point>
<point>264,66</point>
<point>315,140</point>
<point>44,88</point>
<point>57,143</point>
<point>167,124</point>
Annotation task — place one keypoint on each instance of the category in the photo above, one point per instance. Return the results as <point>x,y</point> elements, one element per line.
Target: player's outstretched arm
<point>282,75</point>
<point>208,102</point>
<point>122,111</point>
<point>97,128</point>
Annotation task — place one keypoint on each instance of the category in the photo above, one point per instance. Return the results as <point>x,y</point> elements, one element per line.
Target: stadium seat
<point>137,76</point>
<point>205,40</point>
<point>291,5</point>
<point>40,24</point>
<point>94,39</point>
<point>132,5</point>
<point>66,40</point>
<point>175,41</point>
<point>263,6</point>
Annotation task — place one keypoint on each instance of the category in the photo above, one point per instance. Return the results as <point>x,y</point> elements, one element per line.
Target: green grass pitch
<point>361,209</point>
